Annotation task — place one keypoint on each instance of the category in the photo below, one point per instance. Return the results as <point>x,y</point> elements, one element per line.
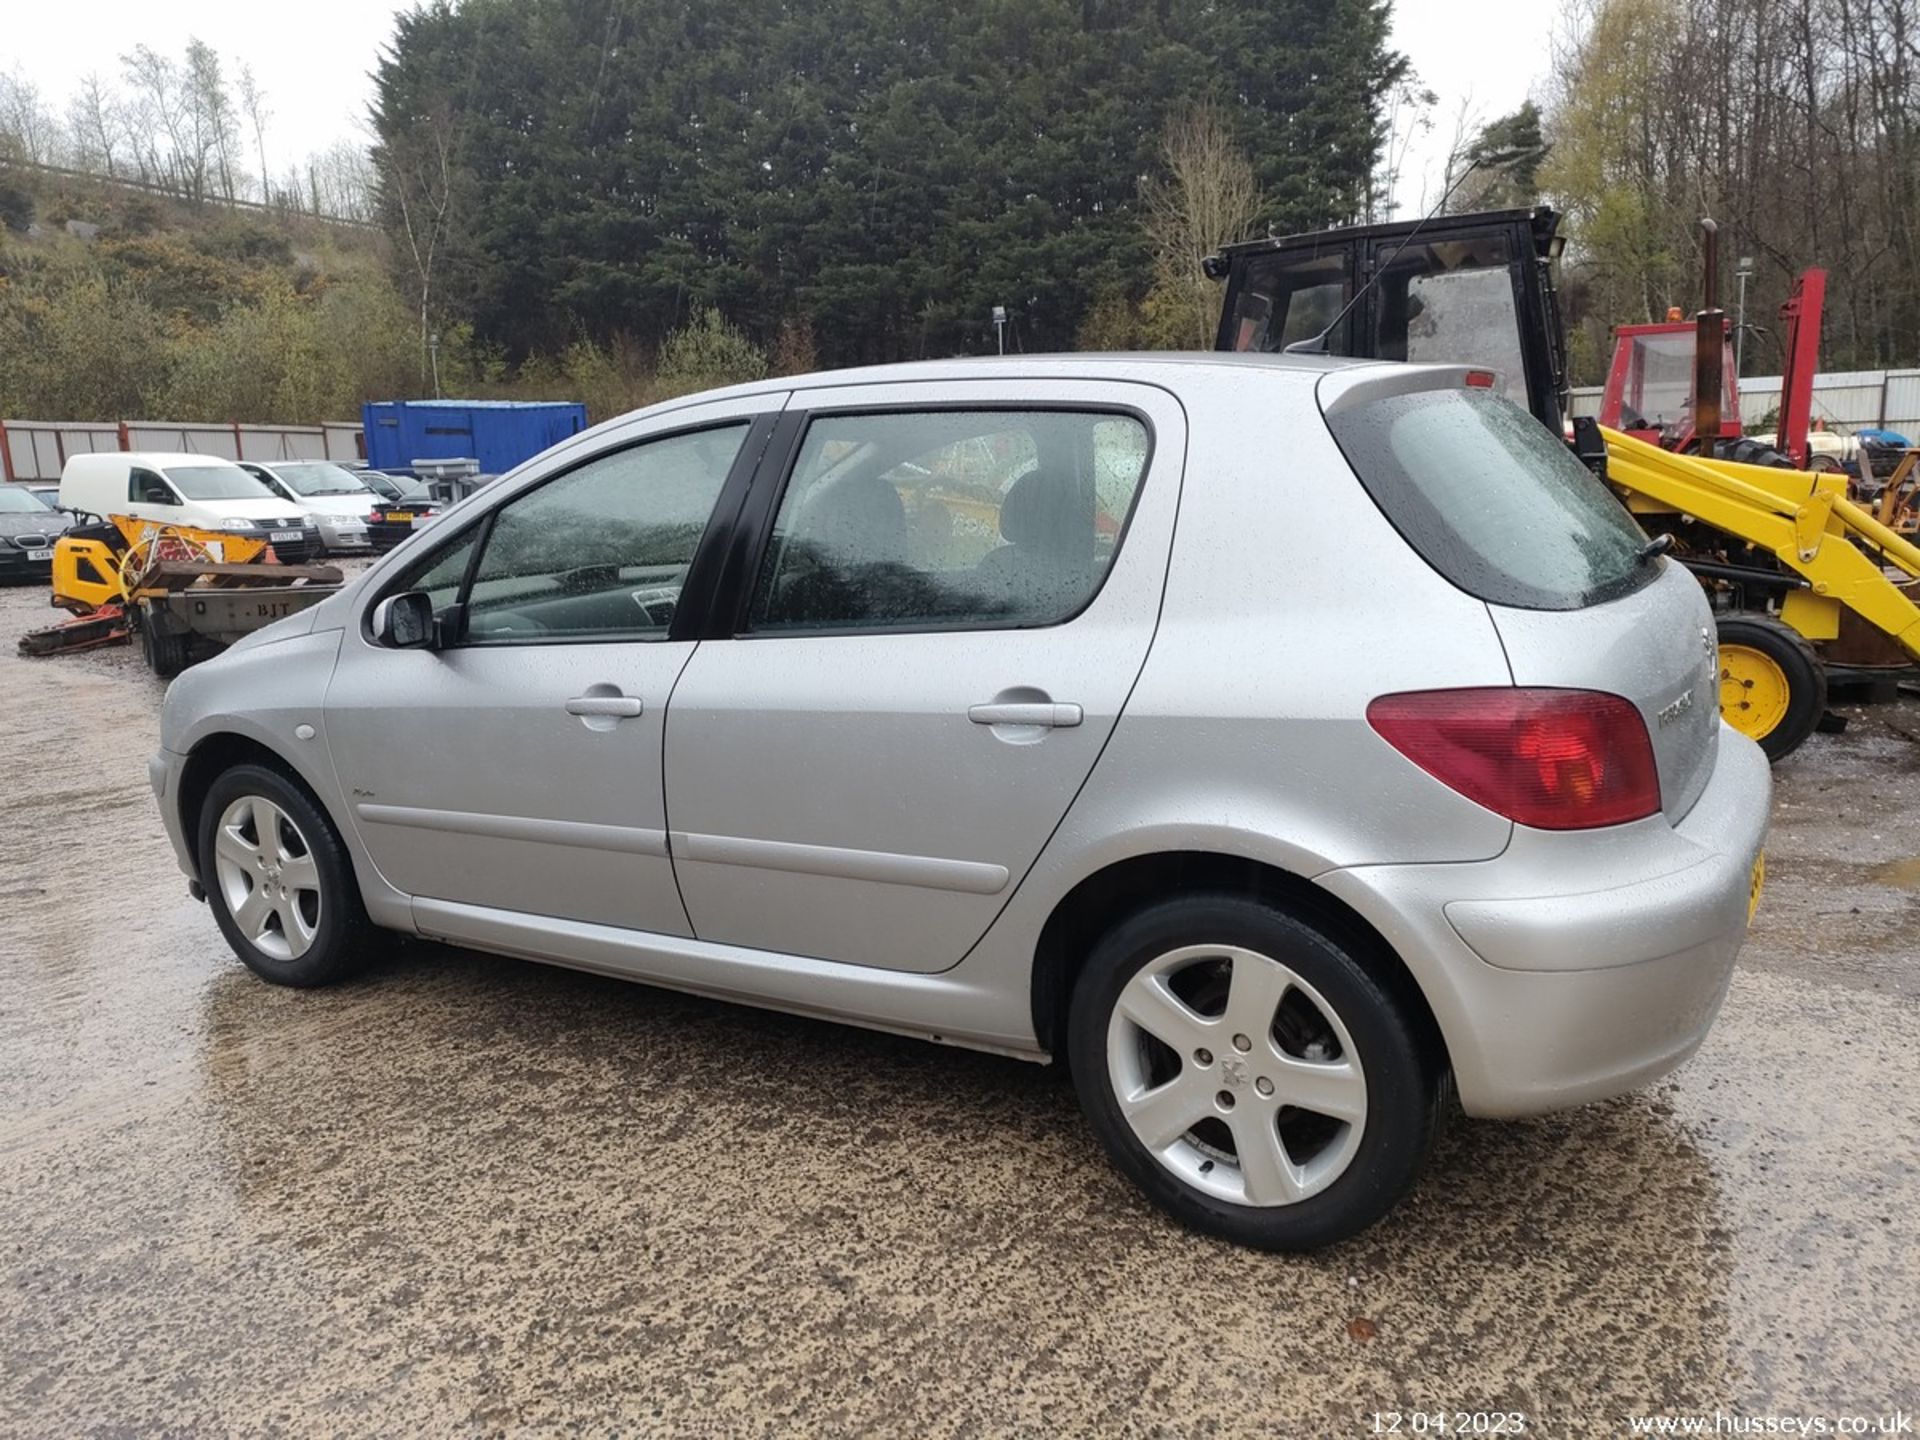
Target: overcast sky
<point>314,62</point>
<point>1488,56</point>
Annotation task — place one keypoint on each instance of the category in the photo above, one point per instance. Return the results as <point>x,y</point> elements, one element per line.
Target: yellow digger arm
<point>1801,517</point>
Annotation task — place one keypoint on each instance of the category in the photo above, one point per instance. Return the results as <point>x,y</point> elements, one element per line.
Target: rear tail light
<point>1480,379</point>
<point>1552,759</point>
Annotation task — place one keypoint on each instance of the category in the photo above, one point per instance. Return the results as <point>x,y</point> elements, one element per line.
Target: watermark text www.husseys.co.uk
<point>1898,1422</point>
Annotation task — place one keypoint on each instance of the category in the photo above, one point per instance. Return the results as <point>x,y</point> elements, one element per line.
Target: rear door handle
<point>1047,714</point>
<point>617,706</point>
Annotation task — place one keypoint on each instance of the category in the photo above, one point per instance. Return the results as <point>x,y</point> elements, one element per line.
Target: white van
<point>204,491</point>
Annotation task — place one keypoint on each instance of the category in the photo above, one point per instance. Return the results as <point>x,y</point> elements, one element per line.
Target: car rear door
<point>952,591</point>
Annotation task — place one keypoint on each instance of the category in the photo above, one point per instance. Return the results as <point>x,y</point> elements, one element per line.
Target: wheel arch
<point>1123,888</point>
<point>214,754</point>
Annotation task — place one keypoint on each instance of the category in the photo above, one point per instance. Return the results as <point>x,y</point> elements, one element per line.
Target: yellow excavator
<point>1809,574</point>
<point>180,590</point>
<point>1835,574</point>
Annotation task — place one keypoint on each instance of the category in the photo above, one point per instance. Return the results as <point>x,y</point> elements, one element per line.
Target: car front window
<point>601,551</point>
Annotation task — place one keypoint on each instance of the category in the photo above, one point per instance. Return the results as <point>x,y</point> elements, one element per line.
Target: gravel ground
<point>467,1195</point>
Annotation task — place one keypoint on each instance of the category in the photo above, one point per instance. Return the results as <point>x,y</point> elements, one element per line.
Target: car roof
<point>1150,365</point>
<point>162,459</point>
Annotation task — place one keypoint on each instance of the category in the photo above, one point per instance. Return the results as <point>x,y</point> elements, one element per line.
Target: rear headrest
<point>1042,512</point>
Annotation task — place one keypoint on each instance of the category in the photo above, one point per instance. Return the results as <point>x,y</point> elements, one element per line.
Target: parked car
<point>205,492</point>
<point>400,503</point>
<point>331,493</point>
<point>1396,762</point>
<point>28,528</point>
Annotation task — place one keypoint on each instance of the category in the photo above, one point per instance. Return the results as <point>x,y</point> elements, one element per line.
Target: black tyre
<point>166,655</point>
<point>1285,1135</point>
<point>278,880</point>
<point>1773,688</point>
<point>1747,451</point>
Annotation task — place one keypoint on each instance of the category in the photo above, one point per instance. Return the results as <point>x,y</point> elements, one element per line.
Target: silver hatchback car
<point>1277,741</point>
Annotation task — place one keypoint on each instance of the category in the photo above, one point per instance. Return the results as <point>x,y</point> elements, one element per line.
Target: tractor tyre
<point>1773,688</point>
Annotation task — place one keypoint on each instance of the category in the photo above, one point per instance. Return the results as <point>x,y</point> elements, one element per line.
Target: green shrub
<point>704,353</point>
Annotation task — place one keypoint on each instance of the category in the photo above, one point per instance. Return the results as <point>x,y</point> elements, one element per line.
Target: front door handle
<point>1045,713</point>
<point>617,707</point>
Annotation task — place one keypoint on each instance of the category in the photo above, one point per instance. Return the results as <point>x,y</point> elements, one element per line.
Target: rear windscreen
<point>1491,500</point>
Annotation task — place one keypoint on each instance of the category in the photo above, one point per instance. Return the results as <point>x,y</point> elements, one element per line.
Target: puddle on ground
<point>1904,873</point>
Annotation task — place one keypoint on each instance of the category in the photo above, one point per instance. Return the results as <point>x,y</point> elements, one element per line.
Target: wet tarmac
<point>465,1195</point>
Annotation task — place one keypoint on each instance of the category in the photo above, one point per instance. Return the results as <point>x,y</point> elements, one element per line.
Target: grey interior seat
<point>848,529</point>
<point>1044,569</point>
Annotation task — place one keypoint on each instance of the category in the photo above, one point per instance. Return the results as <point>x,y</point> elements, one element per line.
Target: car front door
<point>955,592</point>
<point>516,764</point>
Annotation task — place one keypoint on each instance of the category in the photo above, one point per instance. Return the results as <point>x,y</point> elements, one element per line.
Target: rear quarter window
<point>1491,500</point>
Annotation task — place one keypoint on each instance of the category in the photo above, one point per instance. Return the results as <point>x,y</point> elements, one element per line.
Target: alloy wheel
<point>267,877</point>
<point>1236,1075</point>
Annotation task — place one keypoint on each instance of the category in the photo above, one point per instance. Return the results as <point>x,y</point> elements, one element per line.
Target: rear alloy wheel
<point>278,880</point>
<point>1773,688</point>
<point>1249,1074</point>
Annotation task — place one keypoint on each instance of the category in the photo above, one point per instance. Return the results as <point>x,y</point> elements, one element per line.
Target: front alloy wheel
<point>278,879</point>
<point>267,877</point>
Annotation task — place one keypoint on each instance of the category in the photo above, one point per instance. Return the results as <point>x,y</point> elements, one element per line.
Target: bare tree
<point>1467,124</point>
<point>210,115</point>
<point>416,177</point>
<point>93,117</point>
<point>26,125</point>
<point>1409,116</point>
<point>253,103</point>
<point>1795,122</point>
<point>160,127</point>
<point>1208,198</point>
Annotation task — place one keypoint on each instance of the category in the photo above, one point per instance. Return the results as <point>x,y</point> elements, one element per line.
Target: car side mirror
<point>404,621</point>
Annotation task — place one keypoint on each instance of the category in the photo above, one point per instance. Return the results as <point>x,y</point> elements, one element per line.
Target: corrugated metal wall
<point>1846,400</point>
<point>37,449</point>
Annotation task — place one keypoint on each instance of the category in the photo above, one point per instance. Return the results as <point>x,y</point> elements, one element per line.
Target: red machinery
<point>1672,384</point>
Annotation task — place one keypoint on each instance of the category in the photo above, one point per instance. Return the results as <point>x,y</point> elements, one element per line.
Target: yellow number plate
<point>1757,884</point>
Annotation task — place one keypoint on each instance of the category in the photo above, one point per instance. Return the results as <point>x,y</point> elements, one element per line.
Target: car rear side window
<point>1491,500</point>
<point>949,519</point>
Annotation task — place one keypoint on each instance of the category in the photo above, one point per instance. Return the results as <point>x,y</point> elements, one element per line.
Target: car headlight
<point>236,522</point>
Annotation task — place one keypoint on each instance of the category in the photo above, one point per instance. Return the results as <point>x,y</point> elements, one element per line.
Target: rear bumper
<point>1577,966</point>
<point>383,535</point>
